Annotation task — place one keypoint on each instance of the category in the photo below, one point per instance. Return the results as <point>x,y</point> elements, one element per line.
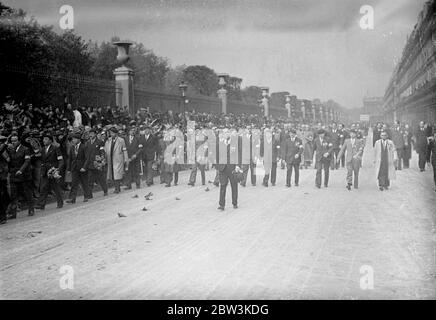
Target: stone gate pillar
<point>124,94</point>
<point>265,102</point>
<point>222,92</point>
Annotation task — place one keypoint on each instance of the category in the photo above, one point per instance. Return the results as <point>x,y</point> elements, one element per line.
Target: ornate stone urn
<point>123,51</point>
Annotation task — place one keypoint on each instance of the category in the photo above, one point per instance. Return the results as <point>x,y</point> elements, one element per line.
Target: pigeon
<point>144,209</point>
<point>147,198</point>
<point>177,198</point>
<point>135,196</point>
<point>207,189</point>
<point>121,215</point>
<point>148,195</point>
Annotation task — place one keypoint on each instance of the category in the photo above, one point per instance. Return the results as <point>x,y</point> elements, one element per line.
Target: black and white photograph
<point>241,151</point>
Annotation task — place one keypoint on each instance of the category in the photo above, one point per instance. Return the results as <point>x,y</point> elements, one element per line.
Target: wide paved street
<point>298,243</point>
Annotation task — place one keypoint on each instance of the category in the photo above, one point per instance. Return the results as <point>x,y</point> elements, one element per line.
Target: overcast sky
<point>311,48</point>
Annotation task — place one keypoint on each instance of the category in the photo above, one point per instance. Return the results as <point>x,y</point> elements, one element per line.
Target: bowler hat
<point>76,135</point>
<point>48,135</point>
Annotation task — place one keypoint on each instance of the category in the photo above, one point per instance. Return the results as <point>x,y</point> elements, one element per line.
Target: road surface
<point>297,243</point>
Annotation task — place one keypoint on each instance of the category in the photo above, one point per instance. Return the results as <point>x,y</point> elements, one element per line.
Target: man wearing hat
<point>4,168</point>
<point>149,150</point>
<point>291,153</point>
<point>353,159</point>
<point>35,161</point>
<point>20,174</point>
<point>78,164</point>
<point>51,157</point>
<point>134,152</point>
<point>324,150</point>
<point>117,158</point>
<point>97,159</point>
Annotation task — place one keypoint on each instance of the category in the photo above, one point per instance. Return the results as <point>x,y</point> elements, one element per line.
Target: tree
<point>234,88</point>
<point>202,80</point>
<point>105,60</point>
<point>173,78</point>
<point>33,55</point>
<point>150,70</point>
<point>251,94</point>
<point>278,99</point>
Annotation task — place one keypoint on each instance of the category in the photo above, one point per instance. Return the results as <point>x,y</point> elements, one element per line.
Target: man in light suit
<point>117,158</point>
<point>354,151</point>
<point>384,159</point>
<point>398,140</point>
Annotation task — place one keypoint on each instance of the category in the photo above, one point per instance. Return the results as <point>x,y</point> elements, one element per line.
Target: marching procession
<point>83,147</point>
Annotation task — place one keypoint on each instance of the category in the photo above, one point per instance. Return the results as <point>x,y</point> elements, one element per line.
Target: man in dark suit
<point>78,165</point>
<point>432,157</point>
<point>149,149</point>
<point>96,168</point>
<point>407,150</point>
<point>251,166</point>
<point>134,151</point>
<point>276,153</point>
<point>199,164</point>
<point>20,174</point>
<point>335,138</point>
<point>324,150</point>
<point>421,144</point>
<point>4,168</point>
<point>51,157</point>
<point>343,134</point>
<point>376,133</point>
<point>226,172</point>
<point>291,153</point>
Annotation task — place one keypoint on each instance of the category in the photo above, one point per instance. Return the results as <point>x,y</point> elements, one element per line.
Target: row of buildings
<point>411,93</point>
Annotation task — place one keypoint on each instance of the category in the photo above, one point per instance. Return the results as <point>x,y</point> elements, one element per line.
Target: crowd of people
<point>52,151</point>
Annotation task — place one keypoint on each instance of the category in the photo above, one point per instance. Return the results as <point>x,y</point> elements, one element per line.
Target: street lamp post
<point>222,92</point>
<point>182,88</point>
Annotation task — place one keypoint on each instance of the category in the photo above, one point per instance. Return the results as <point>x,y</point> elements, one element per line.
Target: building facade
<point>411,92</point>
<point>373,106</point>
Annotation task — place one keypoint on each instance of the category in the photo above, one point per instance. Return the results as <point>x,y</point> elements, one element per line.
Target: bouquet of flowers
<point>99,162</point>
<point>53,173</point>
<point>238,174</point>
<point>155,165</point>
